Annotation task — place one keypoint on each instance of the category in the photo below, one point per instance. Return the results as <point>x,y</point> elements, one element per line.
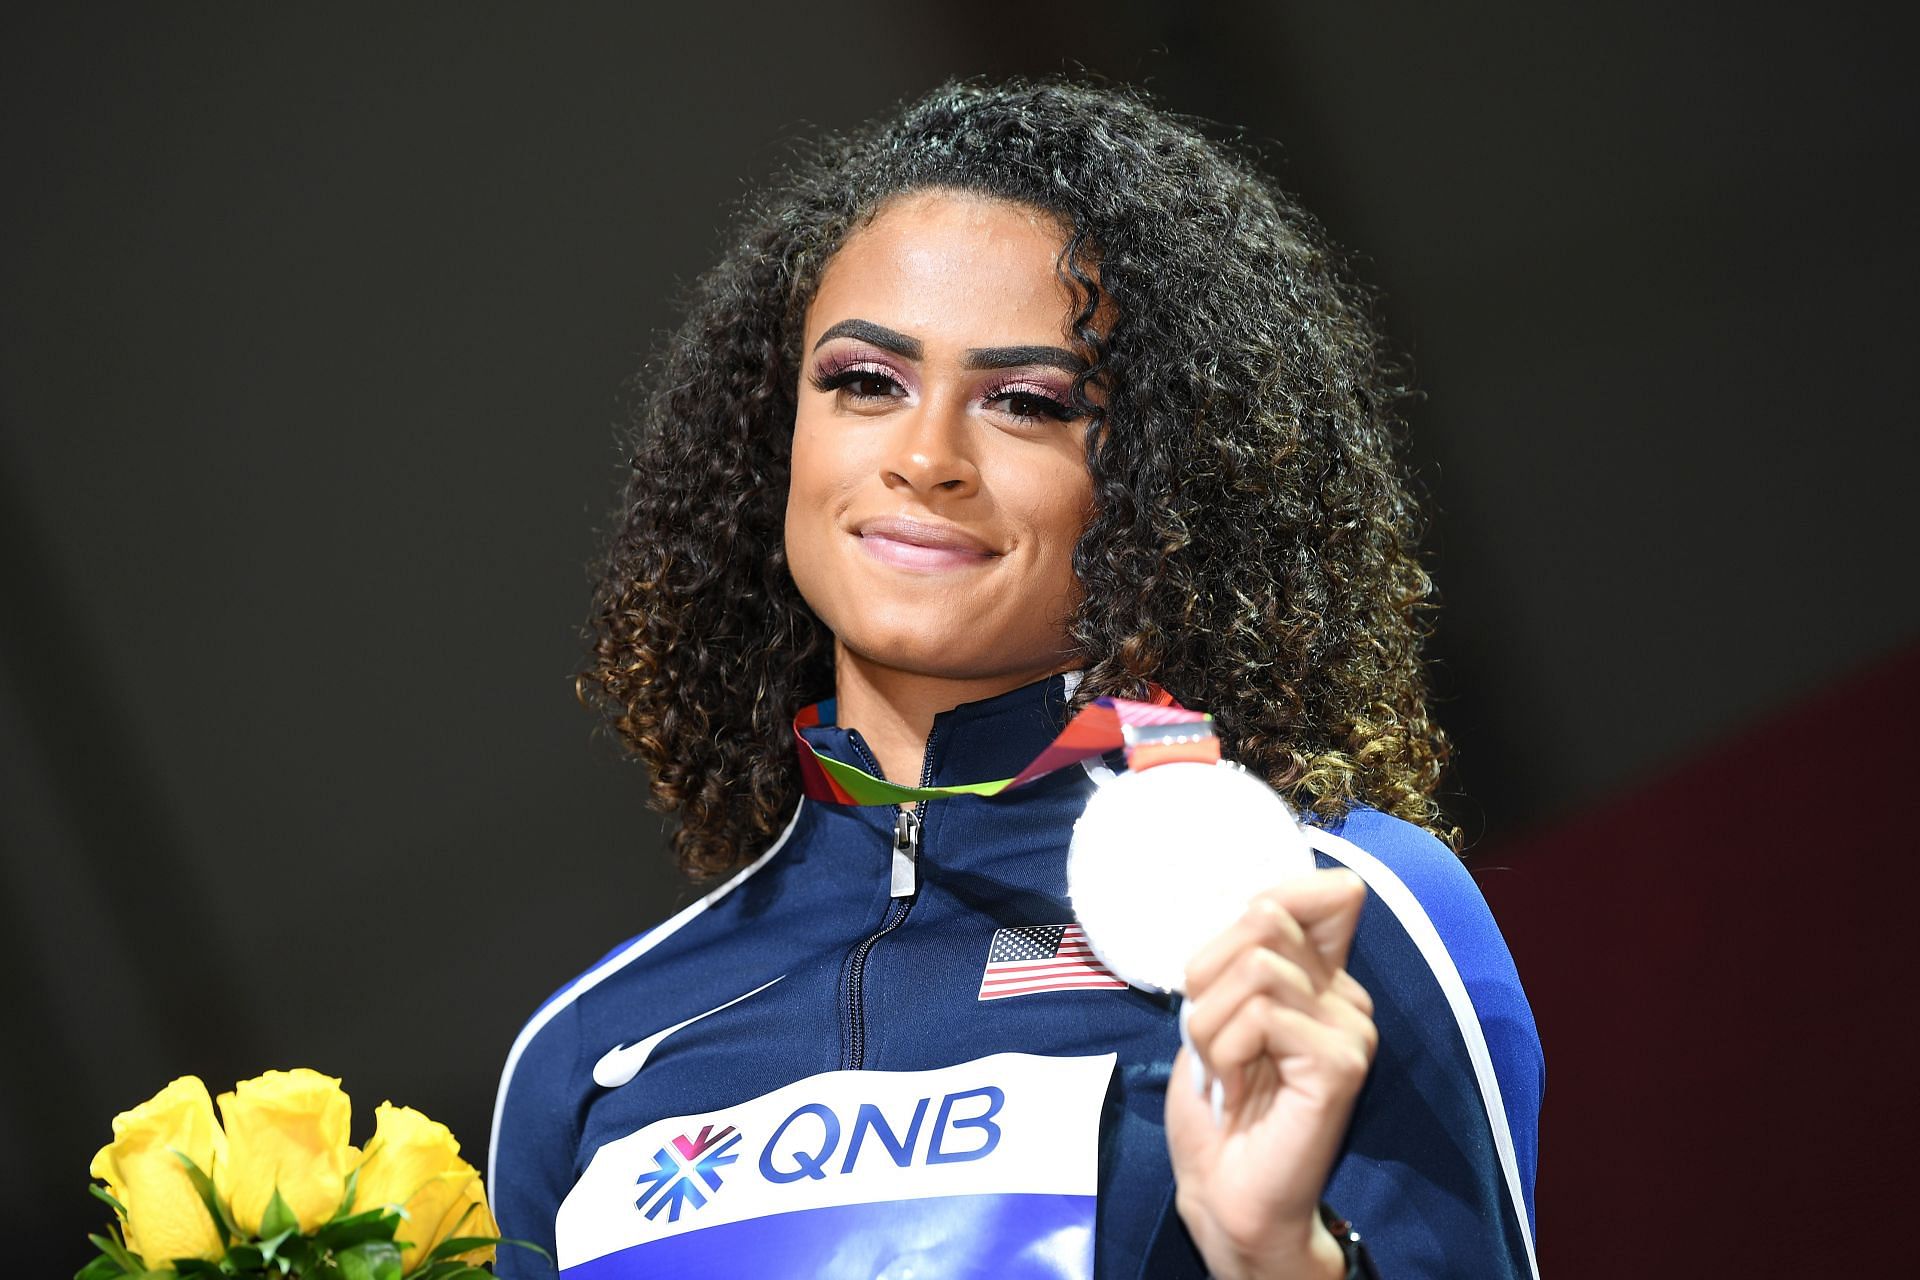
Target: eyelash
<point>830,379</point>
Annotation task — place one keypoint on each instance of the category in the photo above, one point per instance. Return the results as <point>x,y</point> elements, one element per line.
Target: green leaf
<point>278,1220</point>
<point>245,1257</point>
<point>101,1193</point>
<point>295,1253</point>
<point>461,1221</point>
<point>346,1201</point>
<point>101,1268</point>
<point>449,1271</point>
<point>374,1224</point>
<point>203,1185</point>
<point>270,1248</point>
<point>130,1263</point>
<point>459,1244</point>
<point>374,1260</point>
<point>527,1244</point>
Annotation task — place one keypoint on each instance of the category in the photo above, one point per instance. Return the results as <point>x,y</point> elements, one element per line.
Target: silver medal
<point>1166,858</point>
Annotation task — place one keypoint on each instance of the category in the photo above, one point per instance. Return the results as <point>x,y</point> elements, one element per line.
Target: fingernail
<point>1218,1097</point>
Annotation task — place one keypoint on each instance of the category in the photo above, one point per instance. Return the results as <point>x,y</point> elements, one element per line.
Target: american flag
<point>1042,957</point>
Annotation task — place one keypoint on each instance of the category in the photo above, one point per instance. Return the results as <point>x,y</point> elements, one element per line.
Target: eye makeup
<point>1017,394</point>
<point>1030,399</point>
<point>834,365</point>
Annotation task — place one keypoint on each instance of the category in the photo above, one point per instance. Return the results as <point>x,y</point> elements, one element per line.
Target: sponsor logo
<point>805,1144</point>
<point>672,1181</point>
<point>622,1063</point>
<point>816,1141</point>
<point>840,1143</point>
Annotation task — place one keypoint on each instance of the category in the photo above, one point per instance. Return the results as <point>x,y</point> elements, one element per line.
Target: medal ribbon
<point>1100,727</point>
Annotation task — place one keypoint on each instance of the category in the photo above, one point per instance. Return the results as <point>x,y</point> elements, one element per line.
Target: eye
<point>1030,405</point>
<point>860,382</point>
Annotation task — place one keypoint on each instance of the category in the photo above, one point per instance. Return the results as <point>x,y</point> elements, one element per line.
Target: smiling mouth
<point>920,547</point>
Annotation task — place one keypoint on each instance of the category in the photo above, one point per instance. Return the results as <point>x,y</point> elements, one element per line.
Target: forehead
<point>937,264</point>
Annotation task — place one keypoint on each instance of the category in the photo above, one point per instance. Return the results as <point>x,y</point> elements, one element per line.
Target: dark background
<point>313,331</point>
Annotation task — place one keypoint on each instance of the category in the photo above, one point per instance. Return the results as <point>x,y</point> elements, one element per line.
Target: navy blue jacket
<point>1438,1167</point>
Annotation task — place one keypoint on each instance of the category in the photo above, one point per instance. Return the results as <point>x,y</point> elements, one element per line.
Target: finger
<point>1193,1093</point>
<point>1261,976</point>
<point>1348,988</point>
<point>1323,1059</point>
<point>1263,924</point>
<point>1338,1011</point>
<point>1256,971</point>
<point>1326,905</point>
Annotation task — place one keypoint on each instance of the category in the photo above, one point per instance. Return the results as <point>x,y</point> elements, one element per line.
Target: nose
<point>932,451</point>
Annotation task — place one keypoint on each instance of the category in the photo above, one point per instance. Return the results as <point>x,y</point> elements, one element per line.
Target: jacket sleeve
<point>1438,1168</point>
<point>535,1138</point>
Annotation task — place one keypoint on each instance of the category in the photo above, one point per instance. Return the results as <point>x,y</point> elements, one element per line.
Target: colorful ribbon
<point>1099,728</point>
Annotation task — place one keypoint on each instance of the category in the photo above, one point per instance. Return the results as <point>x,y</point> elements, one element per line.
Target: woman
<point>1028,396</point>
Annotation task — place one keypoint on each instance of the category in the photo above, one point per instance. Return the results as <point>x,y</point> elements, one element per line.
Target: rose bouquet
<point>276,1191</point>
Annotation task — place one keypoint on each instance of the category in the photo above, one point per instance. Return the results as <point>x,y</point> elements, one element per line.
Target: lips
<point>922,546</point>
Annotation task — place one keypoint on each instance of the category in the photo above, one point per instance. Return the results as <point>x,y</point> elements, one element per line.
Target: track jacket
<point>883,1050</point>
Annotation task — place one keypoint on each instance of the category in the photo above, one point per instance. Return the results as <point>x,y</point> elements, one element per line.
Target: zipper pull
<point>906,850</point>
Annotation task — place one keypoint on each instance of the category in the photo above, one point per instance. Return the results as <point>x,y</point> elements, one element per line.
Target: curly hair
<point>1253,543</point>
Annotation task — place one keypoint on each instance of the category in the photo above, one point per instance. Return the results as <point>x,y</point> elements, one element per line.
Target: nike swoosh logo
<point>622,1063</point>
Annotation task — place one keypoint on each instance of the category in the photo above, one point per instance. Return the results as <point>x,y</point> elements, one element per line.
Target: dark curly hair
<point>1253,543</point>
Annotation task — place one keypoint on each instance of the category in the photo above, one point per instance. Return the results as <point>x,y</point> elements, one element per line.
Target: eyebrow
<point>1008,357</point>
<point>976,358</point>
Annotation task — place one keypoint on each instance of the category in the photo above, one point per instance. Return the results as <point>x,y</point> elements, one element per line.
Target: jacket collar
<point>993,738</point>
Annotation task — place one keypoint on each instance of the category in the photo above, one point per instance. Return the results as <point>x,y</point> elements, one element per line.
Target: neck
<point>894,709</point>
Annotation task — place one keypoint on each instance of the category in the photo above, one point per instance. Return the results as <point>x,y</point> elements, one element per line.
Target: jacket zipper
<point>903,875</point>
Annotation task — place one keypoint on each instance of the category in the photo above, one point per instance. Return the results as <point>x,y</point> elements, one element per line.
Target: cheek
<point>817,488</point>
<point>1057,502</point>
<point>824,458</point>
<point>813,472</point>
<point>804,504</point>
<point>1066,504</point>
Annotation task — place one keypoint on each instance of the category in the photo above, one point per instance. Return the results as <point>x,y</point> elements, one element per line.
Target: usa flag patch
<point>1032,958</point>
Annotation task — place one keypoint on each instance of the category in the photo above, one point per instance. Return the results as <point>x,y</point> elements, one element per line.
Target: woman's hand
<point>1280,1037</point>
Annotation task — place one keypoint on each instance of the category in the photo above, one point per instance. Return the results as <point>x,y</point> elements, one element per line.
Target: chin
<point>966,636</point>
<point>947,657</point>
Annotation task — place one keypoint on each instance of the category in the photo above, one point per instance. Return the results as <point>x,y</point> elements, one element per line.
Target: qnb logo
<point>671,1183</point>
<point>808,1140</point>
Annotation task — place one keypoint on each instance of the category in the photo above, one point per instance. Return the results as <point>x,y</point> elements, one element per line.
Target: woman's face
<point>939,473</point>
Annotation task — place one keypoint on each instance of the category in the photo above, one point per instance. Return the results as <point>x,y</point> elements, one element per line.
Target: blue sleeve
<point>535,1138</point>
<point>1438,1168</point>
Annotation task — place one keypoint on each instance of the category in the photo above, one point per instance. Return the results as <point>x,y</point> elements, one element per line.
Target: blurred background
<point>314,325</point>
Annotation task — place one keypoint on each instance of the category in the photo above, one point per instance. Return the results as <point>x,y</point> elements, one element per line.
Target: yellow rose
<point>286,1130</point>
<point>477,1222</point>
<point>413,1164</point>
<point>166,1218</point>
